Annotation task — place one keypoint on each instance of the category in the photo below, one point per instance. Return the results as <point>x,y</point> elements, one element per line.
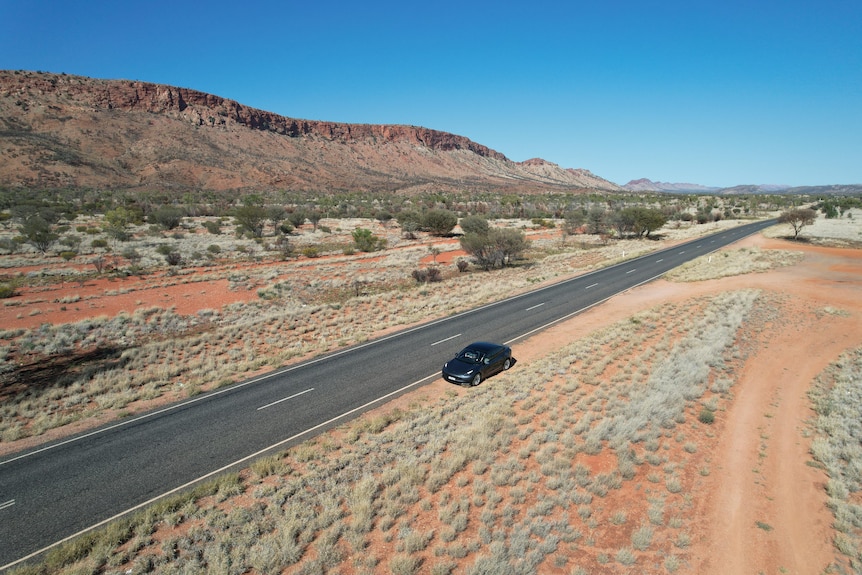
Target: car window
<point>471,356</point>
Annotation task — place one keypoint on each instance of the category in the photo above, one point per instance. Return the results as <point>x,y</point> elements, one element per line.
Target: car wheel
<point>507,364</point>
<point>477,379</point>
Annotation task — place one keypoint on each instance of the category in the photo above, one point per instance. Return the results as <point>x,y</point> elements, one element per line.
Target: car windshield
<point>470,356</point>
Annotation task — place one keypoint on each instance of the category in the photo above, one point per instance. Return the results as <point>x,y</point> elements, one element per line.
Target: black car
<point>478,361</point>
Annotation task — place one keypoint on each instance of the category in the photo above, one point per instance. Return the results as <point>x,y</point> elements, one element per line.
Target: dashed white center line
<point>659,261</point>
<point>7,504</point>
<point>632,271</point>
<point>591,286</point>
<point>535,306</point>
<point>445,340</point>
<point>285,399</point>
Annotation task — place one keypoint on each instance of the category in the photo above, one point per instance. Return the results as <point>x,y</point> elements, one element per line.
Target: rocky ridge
<point>59,130</point>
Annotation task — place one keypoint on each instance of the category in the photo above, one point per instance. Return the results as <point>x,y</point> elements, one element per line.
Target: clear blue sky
<point>717,93</point>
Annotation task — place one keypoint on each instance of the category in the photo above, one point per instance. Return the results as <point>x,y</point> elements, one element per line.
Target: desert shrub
<point>410,222</point>
<point>405,564</point>
<point>173,258</point>
<point>6,290</point>
<point>311,251</point>
<point>706,416</point>
<point>427,275</point>
<point>625,556</point>
<point>439,222</point>
<point>68,254</point>
<point>168,217</point>
<point>462,265</point>
<point>642,537</point>
<point>365,241</point>
<point>420,275</point>
<point>213,227</point>
<point>474,225</point>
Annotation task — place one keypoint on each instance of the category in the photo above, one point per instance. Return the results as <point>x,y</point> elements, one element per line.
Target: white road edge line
<point>535,306</point>
<point>285,399</point>
<point>9,503</point>
<point>219,470</point>
<point>445,340</point>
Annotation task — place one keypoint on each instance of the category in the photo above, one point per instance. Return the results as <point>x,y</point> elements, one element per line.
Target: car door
<point>494,361</point>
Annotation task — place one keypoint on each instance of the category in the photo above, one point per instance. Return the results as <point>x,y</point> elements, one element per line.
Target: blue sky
<point>713,93</point>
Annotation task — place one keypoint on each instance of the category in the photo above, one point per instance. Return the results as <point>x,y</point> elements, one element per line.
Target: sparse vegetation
<point>305,519</point>
<point>540,499</point>
<point>837,447</point>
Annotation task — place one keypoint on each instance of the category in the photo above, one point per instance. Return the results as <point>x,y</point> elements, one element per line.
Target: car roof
<point>483,346</point>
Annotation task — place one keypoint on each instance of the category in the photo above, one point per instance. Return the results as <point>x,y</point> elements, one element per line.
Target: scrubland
<point>592,457</point>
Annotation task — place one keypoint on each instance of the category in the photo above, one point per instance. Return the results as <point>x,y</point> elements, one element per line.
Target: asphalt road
<point>55,492</point>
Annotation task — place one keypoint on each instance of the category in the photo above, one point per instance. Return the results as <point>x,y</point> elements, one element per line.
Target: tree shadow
<point>36,376</point>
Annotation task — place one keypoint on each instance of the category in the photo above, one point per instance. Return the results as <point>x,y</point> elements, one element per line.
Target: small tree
<point>37,231</point>
<point>384,217</point>
<point>314,217</point>
<point>573,221</point>
<point>647,221</point>
<point>365,241</point>
<point>118,220</point>
<point>439,222</point>
<point>495,249</point>
<point>798,218</point>
<point>475,225</point>
<point>410,222</point>
<point>99,263</point>
<point>250,218</point>
<point>168,217</point>
<point>297,218</point>
<point>596,221</point>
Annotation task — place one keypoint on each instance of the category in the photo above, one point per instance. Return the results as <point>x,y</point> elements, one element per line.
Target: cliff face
<point>60,130</point>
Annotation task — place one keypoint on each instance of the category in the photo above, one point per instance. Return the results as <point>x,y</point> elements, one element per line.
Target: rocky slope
<point>59,131</point>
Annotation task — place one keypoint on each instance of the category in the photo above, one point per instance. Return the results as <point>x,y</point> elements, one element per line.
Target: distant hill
<point>61,131</point>
<point>646,185</point>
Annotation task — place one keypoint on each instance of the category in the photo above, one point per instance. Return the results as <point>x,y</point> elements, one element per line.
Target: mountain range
<point>63,131</point>
<point>60,131</point>
<point>646,185</point>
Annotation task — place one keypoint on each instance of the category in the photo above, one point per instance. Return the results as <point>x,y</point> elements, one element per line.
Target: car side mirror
<point>486,361</point>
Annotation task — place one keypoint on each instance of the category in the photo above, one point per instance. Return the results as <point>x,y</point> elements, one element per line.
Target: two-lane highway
<point>56,491</point>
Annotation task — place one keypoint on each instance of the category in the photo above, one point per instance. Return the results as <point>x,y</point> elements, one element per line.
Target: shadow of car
<point>476,362</point>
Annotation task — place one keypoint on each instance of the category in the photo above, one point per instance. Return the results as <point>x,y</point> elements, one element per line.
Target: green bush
<point>439,222</point>
<point>706,416</point>
<point>6,291</point>
<point>311,252</point>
